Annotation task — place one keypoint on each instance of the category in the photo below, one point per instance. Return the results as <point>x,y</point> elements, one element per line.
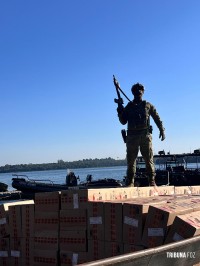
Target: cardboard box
<point>68,258</point>
<point>96,250</point>
<point>21,220</point>
<point>128,248</point>
<point>73,240</point>
<point>176,198</point>
<point>44,258</point>
<point>4,226</point>
<point>73,199</point>
<point>113,218</point>
<point>73,219</point>
<point>46,221</point>
<point>121,193</point>
<point>96,225</point>
<point>134,216</point>
<point>21,251</point>
<point>46,240</point>
<point>16,251</point>
<point>15,221</point>
<point>165,190</point>
<point>184,190</point>
<point>155,191</point>
<point>147,191</point>
<point>113,249</point>
<point>47,201</point>
<point>27,250</point>
<point>27,214</point>
<point>15,261</point>
<point>183,227</point>
<point>129,193</point>
<point>5,261</point>
<point>191,202</point>
<point>158,220</point>
<point>195,190</point>
<point>78,199</point>
<point>4,251</point>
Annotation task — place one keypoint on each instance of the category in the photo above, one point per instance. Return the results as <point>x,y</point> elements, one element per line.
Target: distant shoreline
<point>91,163</point>
<point>85,163</point>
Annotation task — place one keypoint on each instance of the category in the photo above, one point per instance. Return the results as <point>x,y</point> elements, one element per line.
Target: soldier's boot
<point>152,181</point>
<point>129,181</point>
<point>131,184</point>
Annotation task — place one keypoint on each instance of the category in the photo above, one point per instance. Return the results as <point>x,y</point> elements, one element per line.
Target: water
<point>58,176</point>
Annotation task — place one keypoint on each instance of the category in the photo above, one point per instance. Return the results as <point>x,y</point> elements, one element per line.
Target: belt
<point>137,131</point>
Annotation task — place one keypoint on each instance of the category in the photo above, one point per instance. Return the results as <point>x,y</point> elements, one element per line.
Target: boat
<point>30,186</point>
<point>3,187</point>
<point>172,170</point>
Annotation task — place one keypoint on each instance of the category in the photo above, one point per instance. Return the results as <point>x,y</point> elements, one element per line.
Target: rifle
<point>120,103</point>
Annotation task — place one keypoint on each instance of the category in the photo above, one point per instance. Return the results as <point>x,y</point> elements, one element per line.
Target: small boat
<point>31,186</point>
<point>3,187</point>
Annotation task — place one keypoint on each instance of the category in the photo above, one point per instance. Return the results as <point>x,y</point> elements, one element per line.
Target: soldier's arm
<point>122,115</point>
<point>157,121</point>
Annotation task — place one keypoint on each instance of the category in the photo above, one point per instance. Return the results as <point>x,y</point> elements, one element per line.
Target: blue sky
<point>57,59</point>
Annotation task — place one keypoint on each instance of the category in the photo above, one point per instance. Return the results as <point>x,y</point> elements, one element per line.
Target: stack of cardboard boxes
<point>17,232</point>
<point>160,219</point>
<point>134,217</point>
<point>77,226</point>
<point>73,227</point>
<point>183,227</point>
<point>46,225</point>
<point>4,239</point>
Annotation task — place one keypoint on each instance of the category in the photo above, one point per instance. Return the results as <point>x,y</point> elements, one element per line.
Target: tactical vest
<point>138,116</point>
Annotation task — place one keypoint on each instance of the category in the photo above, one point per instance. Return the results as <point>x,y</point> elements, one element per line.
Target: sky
<point>57,60</point>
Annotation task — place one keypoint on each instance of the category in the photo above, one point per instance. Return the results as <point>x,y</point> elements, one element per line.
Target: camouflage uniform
<point>137,115</point>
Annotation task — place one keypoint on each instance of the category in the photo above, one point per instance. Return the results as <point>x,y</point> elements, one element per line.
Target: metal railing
<point>186,252</point>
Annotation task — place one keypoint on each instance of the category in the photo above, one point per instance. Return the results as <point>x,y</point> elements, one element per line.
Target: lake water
<point>58,176</point>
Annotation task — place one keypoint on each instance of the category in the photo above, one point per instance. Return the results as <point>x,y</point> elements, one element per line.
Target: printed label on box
<point>75,201</point>
<point>3,254</point>
<point>96,220</point>
<point>2,221</point>
<point>130,221</point>
<point>155,232</point>
<point>75,259</point>
<point>15,253</point>
<point>177,237</point>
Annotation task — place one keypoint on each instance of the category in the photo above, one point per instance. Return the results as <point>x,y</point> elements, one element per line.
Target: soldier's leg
<point>147,153</point>
<point>132,145</point>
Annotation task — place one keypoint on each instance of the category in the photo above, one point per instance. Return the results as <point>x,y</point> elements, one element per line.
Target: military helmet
<point>136,87</point>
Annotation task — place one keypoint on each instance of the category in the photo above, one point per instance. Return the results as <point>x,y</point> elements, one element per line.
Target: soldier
<point>137,114</point>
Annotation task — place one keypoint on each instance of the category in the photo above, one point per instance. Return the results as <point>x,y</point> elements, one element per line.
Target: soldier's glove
<point>162,135</point>
<point>120,109</point>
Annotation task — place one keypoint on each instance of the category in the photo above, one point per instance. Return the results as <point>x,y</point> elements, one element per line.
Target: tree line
<point>85,163</point>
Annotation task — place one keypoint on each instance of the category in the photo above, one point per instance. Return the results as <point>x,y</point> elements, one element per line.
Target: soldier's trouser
<point>134,143</point>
